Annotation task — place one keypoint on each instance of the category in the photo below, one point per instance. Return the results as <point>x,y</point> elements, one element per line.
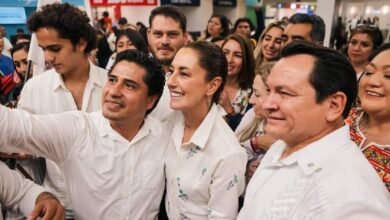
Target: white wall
<point>325,9</point>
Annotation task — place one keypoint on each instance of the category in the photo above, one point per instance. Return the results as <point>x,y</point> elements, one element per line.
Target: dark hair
<point>19,30</point>
<point>224,23</point>
<point>243,20</point>
<point>247,72</point>
<point>134,37</point>
<point>169,11</point>
<point>373,32</point>
<point>154,77</point>
<point>379,50</point>
<point>23,36</point>
<point>217,38</point>
<point>24,45</point>
<point>69,21</point>
<point>105,14</point>
<point>217,66</point>
<point>317,33</point>
<point>332,72</point>
<point>122,21</point>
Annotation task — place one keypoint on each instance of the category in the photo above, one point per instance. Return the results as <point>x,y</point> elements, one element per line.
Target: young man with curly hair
<point>74,83</point>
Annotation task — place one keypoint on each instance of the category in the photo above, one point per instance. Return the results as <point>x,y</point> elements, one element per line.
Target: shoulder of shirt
<point>42,79</point>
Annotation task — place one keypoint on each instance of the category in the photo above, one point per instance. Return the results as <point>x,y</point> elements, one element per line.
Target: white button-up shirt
<point>46,93</point>
<point>328,179</point>
<point>205,176</point>
<point>107,176</point>
<point>17,193</point>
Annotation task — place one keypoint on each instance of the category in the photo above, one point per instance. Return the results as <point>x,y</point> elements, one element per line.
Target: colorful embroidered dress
<point>378,155</point>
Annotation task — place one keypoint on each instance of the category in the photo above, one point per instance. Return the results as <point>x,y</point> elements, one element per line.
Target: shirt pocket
<point>153,176</point>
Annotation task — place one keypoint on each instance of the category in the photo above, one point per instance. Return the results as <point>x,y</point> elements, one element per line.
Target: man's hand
<point>48,207</point>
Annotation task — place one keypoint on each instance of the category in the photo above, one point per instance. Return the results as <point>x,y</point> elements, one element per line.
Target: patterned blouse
<point>241,101</point>
<point>378,155</point>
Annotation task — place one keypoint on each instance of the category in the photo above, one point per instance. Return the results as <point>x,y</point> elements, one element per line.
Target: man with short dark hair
<point>305,27</point>
<point>167,33</point>
<point>112,160</point>
<point>315,171</point>
<point>243,26</point>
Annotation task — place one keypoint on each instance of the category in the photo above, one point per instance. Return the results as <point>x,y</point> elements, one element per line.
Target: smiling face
<point>290,107</point>
<point>258,95</point>
<point>374,86</point>
<point>60,52</point>
<point>359,48</point>
<point>125,95</point>
<point>165,38</point>
<point>189,89</point>
<point>272,43</point>
<point>233,53</point>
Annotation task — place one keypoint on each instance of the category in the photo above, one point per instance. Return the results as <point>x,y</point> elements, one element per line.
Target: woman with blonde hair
<point>269,44</point>
<point>250,132</point>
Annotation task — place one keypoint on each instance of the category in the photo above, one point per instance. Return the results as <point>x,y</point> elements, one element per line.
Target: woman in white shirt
<point>205,164</point>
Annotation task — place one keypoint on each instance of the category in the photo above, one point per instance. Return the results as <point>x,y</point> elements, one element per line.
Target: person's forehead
<point>299,29</point>
<point>292,68</point>
<point>165,22</point>
<point>243,23</point>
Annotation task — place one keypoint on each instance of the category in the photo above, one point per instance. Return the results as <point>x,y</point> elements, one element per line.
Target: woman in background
<point>250,132</point>
<point>370,123</point>
<point>235,96</point>
<point>362,42</point>
<point>270,44</point>
<point>218,25</point>
<point>126,40</point>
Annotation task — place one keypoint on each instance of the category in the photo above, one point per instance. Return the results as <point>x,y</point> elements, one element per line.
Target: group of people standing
<point>189,128</point>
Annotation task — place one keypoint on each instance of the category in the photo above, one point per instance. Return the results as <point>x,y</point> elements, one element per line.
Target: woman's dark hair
<point>373,33</point>
<point>154,77</point>
<point>212,59</point>
<point>247,72</point>
<point>135,38</point>
<point>379,50</point>
<point>224,23</point>
<point>20,46</point>
<point>69,21</point>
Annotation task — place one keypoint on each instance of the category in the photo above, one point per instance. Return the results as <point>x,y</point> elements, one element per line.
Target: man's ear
<point>336,106</point>
<point>151,100</point>
<point>213,86</point>
<point>81,45</point>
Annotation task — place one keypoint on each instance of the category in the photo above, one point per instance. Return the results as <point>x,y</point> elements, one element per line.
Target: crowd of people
<point>136,122</point>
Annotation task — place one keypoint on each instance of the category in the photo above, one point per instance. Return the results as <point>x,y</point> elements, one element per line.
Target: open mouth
<point>374,94</point>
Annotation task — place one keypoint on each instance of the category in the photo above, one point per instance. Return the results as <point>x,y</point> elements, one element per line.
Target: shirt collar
<point>311,158</point>
<point>201,134</point>
<point>96,77</point>
<point>151,126</point>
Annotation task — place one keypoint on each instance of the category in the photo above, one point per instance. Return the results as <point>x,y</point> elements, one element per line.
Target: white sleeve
<point>17,193</point>
<point>51,136</point>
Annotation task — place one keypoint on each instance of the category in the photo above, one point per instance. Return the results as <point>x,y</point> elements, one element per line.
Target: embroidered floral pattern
<point>192,152</point>
<point>232,182</point>
<point>241,100</point>
<point>182,195</point>
<point>377,155</point>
